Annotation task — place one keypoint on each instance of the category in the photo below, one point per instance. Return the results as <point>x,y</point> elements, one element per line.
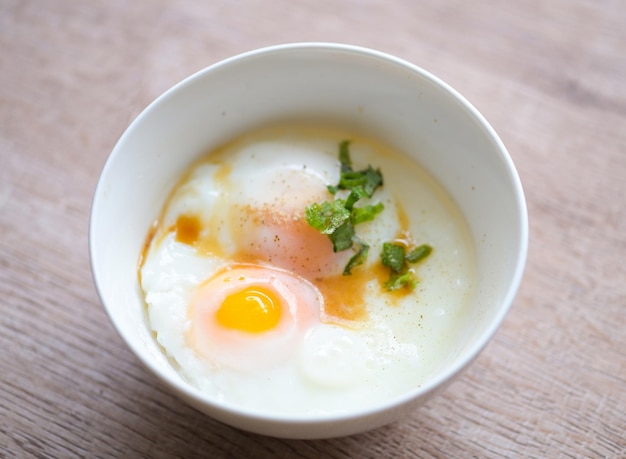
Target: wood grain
<point>549,76</point>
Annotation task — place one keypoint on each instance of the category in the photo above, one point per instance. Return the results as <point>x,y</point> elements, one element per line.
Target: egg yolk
<point>254,309</point>
<point>249,316</point>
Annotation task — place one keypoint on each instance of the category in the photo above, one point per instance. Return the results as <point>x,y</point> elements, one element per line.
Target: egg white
<point>333,367</point>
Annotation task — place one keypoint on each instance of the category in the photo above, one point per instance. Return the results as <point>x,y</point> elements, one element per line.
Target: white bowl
<point>390,99</point>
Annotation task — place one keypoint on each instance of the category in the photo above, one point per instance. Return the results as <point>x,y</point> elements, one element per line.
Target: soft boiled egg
<point>247,306</point>
<point>246,298</point>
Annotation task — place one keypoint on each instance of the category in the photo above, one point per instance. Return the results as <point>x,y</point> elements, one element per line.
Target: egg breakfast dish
<point>305,270</point>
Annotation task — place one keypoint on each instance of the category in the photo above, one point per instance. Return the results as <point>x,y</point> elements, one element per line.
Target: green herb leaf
<point>352,179</point>
<point>368,180</point>
<point>366,213</point>
<point>327,217</point>
<point>419,253</point>
<point>392,256</point>
<point>373,179</point>
<point>355,194</point>
<point>337,219</point>
<point>397,281</point>
<point>344,156</point>
<point>342,236</point>
<point>358,258</point>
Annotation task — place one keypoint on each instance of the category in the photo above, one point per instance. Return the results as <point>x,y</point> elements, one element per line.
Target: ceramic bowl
<point>392,100</point>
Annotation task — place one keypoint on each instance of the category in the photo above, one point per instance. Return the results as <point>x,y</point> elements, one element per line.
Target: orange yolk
<point>254,309</point>
<point>250,316</point>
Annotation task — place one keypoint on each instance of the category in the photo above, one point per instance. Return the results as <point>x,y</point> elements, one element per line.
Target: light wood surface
<point>550,76</point>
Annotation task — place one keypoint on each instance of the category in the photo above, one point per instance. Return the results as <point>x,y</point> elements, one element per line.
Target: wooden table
<point>549,76</point>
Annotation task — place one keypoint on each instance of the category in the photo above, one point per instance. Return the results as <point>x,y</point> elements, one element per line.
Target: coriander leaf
<point>419,253</point>
<point>358,258</point>
<point>398,281</point>
<point>342,236</point>
<point>366,213</point>
<point>327,216</point>
<point>392,256</point>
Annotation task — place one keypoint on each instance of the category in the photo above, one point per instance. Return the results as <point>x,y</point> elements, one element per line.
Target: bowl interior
<point>359,89</point>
